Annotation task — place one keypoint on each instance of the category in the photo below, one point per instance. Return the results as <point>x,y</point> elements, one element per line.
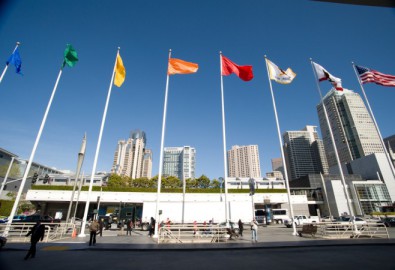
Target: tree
<point>116,180</point>
<point>171,182</point>
<point>143,182</point>
<point>203,182</point>
<point>191,183</point>
<point>215,184</point>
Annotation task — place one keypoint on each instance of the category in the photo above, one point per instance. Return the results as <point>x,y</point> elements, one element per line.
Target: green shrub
<point>163,190</point>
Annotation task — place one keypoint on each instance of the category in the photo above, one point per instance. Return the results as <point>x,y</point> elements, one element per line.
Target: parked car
<point>300,220</point>
<point>347,219</point>
<point>3,241</point>
<point>389,222</point>
<point>233,226</point>
<point>35,218</point>
<point>327,219</point>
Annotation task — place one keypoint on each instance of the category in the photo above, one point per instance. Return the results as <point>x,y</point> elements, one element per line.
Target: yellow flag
<point>120,72</point>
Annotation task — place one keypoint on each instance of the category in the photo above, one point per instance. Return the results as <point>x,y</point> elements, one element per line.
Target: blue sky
<point>288,32</point>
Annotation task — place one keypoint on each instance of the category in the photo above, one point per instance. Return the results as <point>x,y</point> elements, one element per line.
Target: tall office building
<point>243,161</point>
<point>304,153</point>
<point>147,164</point>
<point>352,126</point>
<point>179,162</point>
<point>390,145</point>
<point>129,156</point>
<point>277,168</point>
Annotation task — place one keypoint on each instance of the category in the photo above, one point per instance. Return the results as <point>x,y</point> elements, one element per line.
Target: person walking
<point>152,227</point>
<point>241,228</point>
<point>254,230</point>
<point>37,233</point>
<point>101,226</point>
<point>93,228</point>
<point>129,226</point>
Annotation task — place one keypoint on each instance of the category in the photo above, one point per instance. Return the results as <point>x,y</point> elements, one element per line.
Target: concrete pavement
<point>273,236</point>
<point>277,249</point>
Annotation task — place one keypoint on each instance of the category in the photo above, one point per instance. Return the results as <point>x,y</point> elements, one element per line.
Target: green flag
<point>70,56</point>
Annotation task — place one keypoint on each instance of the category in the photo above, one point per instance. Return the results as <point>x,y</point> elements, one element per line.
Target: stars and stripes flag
<point>368,75</point>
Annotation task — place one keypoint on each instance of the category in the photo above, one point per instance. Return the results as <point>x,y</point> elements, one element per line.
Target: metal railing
<point>189,233</point>
<point>53,231</point>
<point>339,230</point>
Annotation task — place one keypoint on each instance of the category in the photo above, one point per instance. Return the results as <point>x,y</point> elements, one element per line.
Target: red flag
<point>243,72</point>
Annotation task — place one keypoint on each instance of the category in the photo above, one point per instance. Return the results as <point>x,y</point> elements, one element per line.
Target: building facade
<point>277,165</point>
<point>352,126</point>
<point>129,156</point>
<point>304,152</point>
<point>390,145</point>
<point>147,164</point>
<point>179,162</point>
<point>243,161</point>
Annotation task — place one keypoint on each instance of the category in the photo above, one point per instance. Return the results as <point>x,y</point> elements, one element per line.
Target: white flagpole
<point>282,152</point>
<point>6,175</point>
<point>375,123</point>
<point>6,66</point>
<point>162,141</point>
<point>224,145</point>
<point>326,196</point>
<point>29,164</point>
<point>82,233</point>
<point>81,155</point>
<point>350,209</point>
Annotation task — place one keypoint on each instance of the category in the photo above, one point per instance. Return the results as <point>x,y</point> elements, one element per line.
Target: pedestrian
<point>195,228</point>
<point>37,233</point>
<point>152,227</point>
<point>129,226</point>
<point>254,230</point>
<point>241,228</point>
<point>101,225</point>
<point>93,228</point>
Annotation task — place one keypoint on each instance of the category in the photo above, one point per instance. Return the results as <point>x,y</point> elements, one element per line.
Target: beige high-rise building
<point>129,157</point>
<point>243,161</point>
<point>352,126</point>
<point>147,164</point>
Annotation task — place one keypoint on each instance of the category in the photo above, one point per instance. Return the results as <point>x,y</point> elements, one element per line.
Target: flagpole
<point>161,154</point>
<point>326,196</point>
<point>78,195</point>
<point>29,164</point>
<point>224,145</point>
<point>334,146</point>
<point>80,160</point>
<point>6,66</point>
<point>282,151</point>
<point>82,233</point>
<point>374,121</point>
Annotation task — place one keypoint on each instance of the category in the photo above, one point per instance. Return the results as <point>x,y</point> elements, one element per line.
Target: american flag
<point>368,75</point>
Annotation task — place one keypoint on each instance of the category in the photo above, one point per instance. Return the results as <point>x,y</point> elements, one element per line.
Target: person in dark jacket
<point>241,227</point>
<point>37,233</point>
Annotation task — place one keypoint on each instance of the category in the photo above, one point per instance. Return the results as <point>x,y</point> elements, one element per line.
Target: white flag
<point>279,75</point>
<point>324,75</point>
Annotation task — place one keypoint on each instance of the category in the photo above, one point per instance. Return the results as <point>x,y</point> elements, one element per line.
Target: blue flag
<point>15,59</point>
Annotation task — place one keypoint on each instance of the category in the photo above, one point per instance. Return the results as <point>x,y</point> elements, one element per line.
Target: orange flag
<point>178,66</point>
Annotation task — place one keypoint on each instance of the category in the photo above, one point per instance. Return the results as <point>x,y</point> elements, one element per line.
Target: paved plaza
<point>277,248</point>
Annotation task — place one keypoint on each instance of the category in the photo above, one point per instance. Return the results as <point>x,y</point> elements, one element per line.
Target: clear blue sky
<point>288,32</point>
